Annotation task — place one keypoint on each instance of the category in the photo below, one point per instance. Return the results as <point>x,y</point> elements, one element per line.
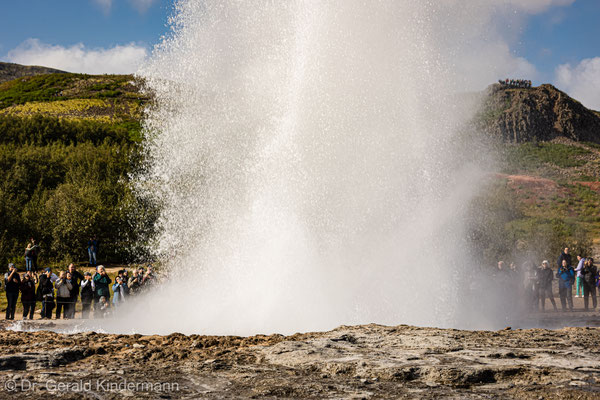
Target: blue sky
<point>561,35</point>
<point>559,39</point>
<point>92,22</point>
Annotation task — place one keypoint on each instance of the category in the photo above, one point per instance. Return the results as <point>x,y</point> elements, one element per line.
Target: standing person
<point>93,250</point>
<point>27,288</point>
<point>135,281</point>
<point>564,256</point>
<point>45,293</point>
<point>124,282</point>
<point>12,283</point>
<point>531,286</point>
<point>149,277</point>
<point>101,308</point>
<point>579,276</point>
<point>590,273</point>
<point>501,275</point>
<point>75,280</point>
<point>34,254</point>
<point>87,294</point>
<point>101,282</point>
<point>29,252</point>
<point>118,291</point>
<point>63,294</point>
<point>125,277</point>
<point>545,278</point>
<point>566,276</point>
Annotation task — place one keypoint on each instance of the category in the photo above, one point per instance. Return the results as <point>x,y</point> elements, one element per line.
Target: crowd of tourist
<point>520,83</point>
<point>536,282</point>
<point>63,292</point>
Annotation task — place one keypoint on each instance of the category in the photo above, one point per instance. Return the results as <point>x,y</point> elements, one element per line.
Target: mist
<point>313,166</point>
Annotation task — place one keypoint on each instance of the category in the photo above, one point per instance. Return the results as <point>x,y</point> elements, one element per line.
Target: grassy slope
<point>110,101</point>
<point>554,181</point>
<point>109,98</point>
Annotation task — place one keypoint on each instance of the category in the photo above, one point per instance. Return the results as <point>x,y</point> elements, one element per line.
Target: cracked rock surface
<point>368,361</point>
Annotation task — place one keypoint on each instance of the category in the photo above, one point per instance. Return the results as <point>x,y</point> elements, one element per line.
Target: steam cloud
<point>311,163</point>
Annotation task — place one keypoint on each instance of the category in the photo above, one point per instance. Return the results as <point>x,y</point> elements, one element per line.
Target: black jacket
<point>562,257</point>
<point>27,291</point>
<point>87,293</point>
<point>545,276</point>
<point>75,280</point>
<point>13,285</point>
<point>589,274</point>
<point>45,287</point>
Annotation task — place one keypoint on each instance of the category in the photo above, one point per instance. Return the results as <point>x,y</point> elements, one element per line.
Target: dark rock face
<point>9,71</point>
<point>30,360</point>
<point>541,113</point>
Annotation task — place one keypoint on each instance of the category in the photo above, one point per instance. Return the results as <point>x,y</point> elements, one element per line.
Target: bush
<point>41,130</point>
<point>62,182</point>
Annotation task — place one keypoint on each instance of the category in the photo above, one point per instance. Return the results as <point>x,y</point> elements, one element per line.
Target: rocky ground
<point>369,361</point>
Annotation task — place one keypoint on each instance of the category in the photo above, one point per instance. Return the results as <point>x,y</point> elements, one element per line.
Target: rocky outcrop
<point>368,361</point>
<point>39,360</point>
<point>540,113</point>
<point>9,71</point>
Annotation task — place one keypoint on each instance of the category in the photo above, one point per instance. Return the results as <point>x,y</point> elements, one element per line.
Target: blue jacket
<point>566,276</point>
<point>119,293</point>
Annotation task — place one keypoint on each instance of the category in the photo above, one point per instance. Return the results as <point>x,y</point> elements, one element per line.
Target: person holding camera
<point>135,281</point>
<point>75,280</point>
<point>45,293</point>
<point>29,252</point>
<point>63,294</point>
<point>148,278</point>
<point>87,294</point>
<point>589,273</point>
<point>31,255</point>
<point>12,283</point>
<point>27,288</point>
<point>101,284</point>
<point>101,309</point>
<point>119,289</point>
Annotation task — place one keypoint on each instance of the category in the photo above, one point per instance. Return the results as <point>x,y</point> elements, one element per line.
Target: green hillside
<point>68,144</point>
<point>545,196</point>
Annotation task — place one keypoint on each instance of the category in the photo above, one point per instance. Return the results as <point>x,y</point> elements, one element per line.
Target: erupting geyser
<point>309,161</point>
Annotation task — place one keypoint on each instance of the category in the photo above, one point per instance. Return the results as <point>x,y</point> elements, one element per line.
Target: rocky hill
<point>540,113</point>
<point>10,71</point>
<point>546,191</point>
